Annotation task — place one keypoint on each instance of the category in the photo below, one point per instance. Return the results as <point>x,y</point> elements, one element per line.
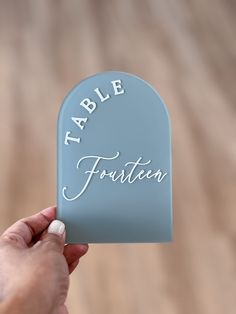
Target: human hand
<point>35,265</point>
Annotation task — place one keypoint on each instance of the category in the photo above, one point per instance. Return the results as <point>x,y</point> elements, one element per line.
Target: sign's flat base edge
<point>121,242</point>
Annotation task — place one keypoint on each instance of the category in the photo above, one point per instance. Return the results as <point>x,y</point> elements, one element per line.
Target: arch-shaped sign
<point>114,162</point>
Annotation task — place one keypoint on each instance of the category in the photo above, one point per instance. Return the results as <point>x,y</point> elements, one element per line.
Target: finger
<point>73,266</point>
<point>62,309</point>
<point>73,252</point>
<point>25,229</point>
<point>54,239</point>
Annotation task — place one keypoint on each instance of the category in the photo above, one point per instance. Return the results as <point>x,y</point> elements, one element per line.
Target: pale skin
<point>35,265</point>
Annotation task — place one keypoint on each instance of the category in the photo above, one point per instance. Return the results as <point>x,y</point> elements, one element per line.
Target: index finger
<point>25,229</point>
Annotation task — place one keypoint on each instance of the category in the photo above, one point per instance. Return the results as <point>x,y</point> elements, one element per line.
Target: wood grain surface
<point>187,51</point>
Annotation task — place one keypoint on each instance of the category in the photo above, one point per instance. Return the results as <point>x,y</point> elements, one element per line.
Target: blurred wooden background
<point>187,50</point>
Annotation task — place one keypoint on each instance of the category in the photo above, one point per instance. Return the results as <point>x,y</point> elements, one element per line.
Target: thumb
<point>54,239</point>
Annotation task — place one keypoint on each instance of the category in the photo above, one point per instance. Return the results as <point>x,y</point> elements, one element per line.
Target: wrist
<point>14,305</point>
<point>18,304</point>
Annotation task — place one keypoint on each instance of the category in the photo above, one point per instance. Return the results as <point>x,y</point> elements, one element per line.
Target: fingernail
<point>84,247</point>
<point>56,227</point>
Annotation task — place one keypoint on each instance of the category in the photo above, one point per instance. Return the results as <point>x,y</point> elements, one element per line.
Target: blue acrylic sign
<point>114,162</point>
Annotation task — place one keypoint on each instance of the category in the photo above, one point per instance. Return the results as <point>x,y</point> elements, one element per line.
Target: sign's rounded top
<point>101,76</point>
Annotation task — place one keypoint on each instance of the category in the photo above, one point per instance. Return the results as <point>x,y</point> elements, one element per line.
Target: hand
<point>35,265</point>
